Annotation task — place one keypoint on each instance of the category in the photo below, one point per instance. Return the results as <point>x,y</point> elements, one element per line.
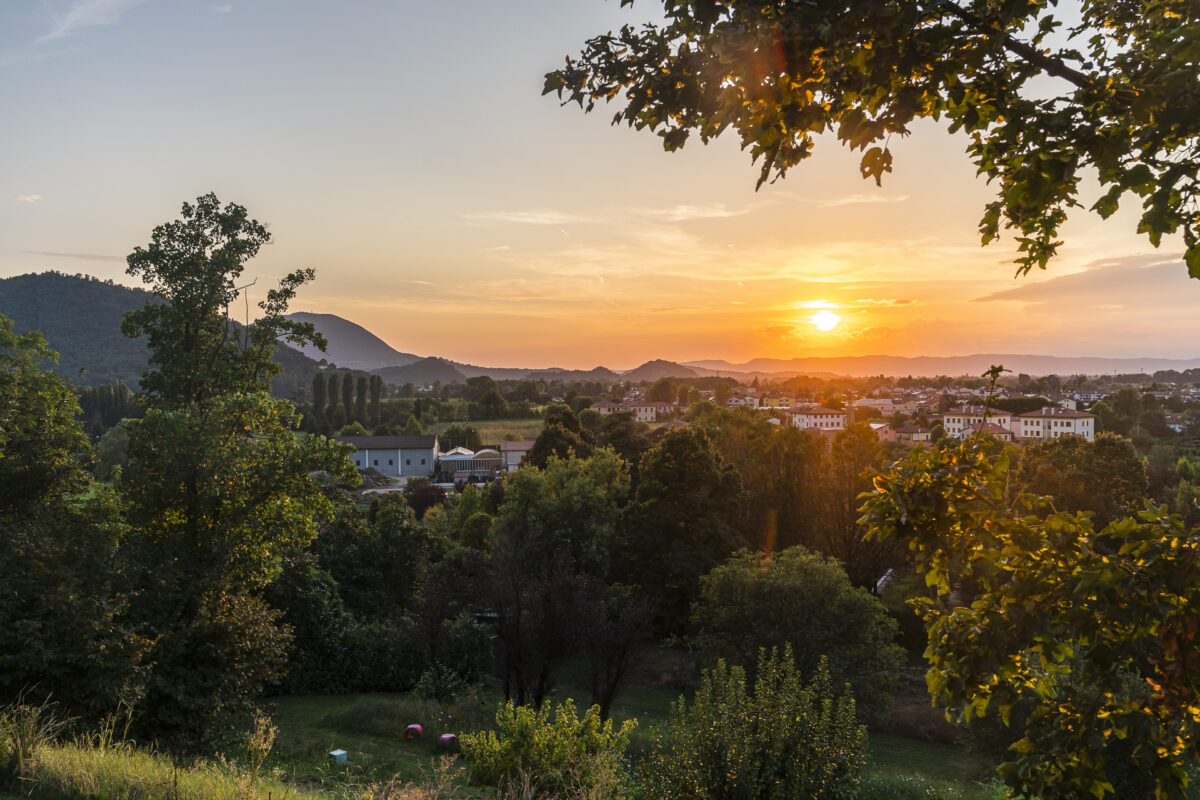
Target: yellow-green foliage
<point>555,746</point>
<point>71,771</point>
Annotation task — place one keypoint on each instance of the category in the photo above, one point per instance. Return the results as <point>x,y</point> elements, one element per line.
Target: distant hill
<point>80,317</point>
<point>953,366</point>
<point>654,370</point>
<point>422,372</point>
<point>602,374</point>
<point>351,346</point>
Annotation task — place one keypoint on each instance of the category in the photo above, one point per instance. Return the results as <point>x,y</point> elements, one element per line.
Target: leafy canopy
<point>1092,629</point>
<point>1046,99</point>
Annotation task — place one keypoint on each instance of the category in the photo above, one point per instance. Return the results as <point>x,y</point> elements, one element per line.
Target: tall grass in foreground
<point>105,766</point>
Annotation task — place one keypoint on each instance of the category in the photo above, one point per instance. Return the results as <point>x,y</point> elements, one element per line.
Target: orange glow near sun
<point>825,320</point>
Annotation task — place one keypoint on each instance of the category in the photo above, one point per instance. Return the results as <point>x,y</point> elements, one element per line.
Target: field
<point>497,430</point>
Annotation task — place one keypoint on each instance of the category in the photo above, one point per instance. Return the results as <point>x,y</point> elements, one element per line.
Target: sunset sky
<point>404,150</point>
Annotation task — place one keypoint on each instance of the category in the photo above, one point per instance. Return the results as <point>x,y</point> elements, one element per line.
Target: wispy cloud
<point>537,216</point>
<point>28,198</point>
<point>88,14</point>
<point>682,213</point>
<point>77,256</point>
<point>224,8</point>
<point>861,199</point>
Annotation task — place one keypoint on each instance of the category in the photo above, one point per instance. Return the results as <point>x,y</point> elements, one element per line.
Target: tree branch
<point>1049,64</point>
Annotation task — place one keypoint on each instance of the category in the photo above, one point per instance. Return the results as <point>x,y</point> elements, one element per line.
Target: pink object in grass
<point>413,731</point>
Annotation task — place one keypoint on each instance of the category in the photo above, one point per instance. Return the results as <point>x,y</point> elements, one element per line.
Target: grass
<point>72,770</point>
<point>494,431</point>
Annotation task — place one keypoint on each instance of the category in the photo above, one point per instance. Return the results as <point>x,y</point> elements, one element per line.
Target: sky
<point>405,152</point>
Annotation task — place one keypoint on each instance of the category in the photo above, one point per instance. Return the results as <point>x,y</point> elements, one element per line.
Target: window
<point>408,462</point>
<point>376,462</point>
<point>390,462</point>
<point>357,463</point>
<point>422,462</point>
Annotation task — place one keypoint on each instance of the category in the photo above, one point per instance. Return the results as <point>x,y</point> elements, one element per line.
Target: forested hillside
<point>80,316</point>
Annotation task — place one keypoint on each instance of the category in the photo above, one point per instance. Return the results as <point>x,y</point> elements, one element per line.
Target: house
<point>777,400</point>
<point>913,433</point>
<point>641,411</point>
<point>513,454</point>
<point>958,421</point>
<point>819,417</point>
<point>1051,423</point>
<point>883,431</point>
<point>394,455</point>
<point>999,431</point>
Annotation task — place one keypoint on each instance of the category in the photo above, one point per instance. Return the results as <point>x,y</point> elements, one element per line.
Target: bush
<point>784,740</point>
<point>554,751</point>
<point>803,600</point>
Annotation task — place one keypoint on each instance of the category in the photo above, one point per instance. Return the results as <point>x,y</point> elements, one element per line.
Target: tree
<point>63,592</point>
<point>805,601</point>
<point>571,505</point>
<point>332,391</point>
<point>360,399</point>
<point>376,396</point>
<point>1091,630</point>
<point>1123,109</point>
<point>413,428</point>
<point>43,452</point>
<point>318,393</point>
<point>218,487</point>
<point>348,396</point>
<point>1105,476</point>
<point>782,739</point>
<point>662,391</point>
<point>682,523</point>
<point>459,435</point>
<point>616,628</point>
<point>845,473</point>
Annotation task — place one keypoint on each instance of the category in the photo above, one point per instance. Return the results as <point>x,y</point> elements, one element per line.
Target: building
<point>461,464</point>
<point>999,431</point>
<point>958,421</point>
<point>513,454</point>
<point>819,417</point>
<point>777,400</point>
<point>641,411</point>
<point>394,455</point>
<point>1051,423</point>
<point>913,433</point>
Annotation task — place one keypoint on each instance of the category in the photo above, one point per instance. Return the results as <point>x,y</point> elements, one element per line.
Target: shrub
<point>802,599</point>
<point>783,740</point>
<point>555,751</point>
<point>25,731</point>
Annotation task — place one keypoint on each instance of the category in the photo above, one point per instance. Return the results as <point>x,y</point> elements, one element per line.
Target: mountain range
<point>81,318</point>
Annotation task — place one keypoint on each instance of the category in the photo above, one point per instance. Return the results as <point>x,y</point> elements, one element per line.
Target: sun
<point>825,320</point>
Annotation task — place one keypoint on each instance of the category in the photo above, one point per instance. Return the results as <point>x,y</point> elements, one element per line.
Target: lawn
<point>370,727</point>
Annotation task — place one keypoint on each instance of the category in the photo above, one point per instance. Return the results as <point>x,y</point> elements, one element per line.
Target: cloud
<point>682,213</point>
<point>88,14</point>
<point>883,301</point>
<point>77,256</point>
<point>224,8</point>
<point>1144,282</point>
<point>538,216</point>
<point>861,199</point>
<point>28,198</point>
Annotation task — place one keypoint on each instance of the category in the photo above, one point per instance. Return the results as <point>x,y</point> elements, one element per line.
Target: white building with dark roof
<point>394,455</point>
